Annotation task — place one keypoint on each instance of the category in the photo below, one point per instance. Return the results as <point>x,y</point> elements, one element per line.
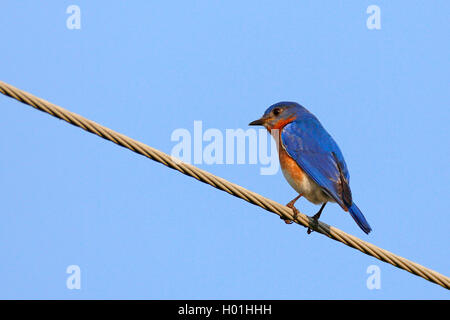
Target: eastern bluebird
<point>310,159</point>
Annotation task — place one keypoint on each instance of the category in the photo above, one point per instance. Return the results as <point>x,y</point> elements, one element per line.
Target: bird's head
<point>278,115</point>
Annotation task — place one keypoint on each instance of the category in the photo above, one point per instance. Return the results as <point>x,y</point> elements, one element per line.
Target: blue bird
<point>310,159</point>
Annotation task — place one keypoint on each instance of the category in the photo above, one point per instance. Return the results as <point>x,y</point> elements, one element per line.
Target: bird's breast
<point>299,180</point>
<point>291,170</point>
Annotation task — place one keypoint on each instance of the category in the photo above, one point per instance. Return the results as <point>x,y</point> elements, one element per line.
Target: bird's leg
<point>294,209</point>
<point>317,216</point>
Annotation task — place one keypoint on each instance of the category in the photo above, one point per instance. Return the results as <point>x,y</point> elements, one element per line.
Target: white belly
<point>301,182</point>
<point>308,188</point>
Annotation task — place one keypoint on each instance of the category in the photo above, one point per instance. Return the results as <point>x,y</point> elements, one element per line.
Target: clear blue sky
<point>139,230</point>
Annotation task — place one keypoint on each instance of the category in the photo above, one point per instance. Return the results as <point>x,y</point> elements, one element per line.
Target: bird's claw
<point>294,210</point>
<point>309,229</point>
<point>315,219</point>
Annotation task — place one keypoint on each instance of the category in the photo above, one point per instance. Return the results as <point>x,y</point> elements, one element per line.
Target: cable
<point>224,185</point>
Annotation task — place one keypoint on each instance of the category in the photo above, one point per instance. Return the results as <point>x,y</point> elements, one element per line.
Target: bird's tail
<point>359,218</point>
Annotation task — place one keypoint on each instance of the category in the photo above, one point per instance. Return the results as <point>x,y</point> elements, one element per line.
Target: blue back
<point>315,151</point>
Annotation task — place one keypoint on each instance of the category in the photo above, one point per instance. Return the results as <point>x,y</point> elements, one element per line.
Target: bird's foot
<point>315,219</point>
<point>294,209</point>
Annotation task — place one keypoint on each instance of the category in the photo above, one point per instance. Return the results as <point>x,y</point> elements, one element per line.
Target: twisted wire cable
<point>224,185</point>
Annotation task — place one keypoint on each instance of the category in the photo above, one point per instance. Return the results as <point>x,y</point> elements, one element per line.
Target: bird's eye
<point>276,111</point>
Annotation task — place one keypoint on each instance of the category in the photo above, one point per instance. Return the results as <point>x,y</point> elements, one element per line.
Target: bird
<point>310,160</point>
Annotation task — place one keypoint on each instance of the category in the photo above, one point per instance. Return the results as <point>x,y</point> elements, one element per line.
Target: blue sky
<point>139,230</point>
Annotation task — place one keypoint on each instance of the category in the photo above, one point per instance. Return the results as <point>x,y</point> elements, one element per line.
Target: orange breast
<point>291,170</point>
<point>289,166</point>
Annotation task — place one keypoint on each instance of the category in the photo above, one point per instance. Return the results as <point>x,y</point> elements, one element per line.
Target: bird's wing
<point>315,151</point>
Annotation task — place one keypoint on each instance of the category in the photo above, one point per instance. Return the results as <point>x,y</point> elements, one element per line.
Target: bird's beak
<point>259,122</point>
